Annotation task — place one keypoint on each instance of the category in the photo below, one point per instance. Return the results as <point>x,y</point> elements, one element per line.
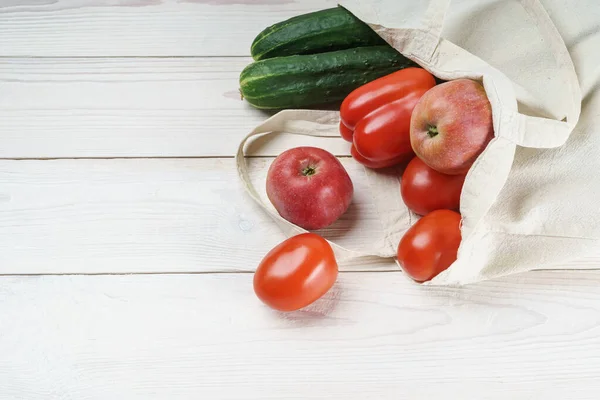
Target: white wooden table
<point>118,123</point>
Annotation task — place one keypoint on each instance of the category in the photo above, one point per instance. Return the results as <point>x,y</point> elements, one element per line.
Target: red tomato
<point>431,245</point>
<point>296,272</point>
<point>425,190</point>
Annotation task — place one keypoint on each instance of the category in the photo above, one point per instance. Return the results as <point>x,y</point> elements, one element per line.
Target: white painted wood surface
<point>123,107</point>
<point>156,78</point>
<point>156,215</point>
<point>151,215</point>
<point>374,336</point>
<point>59,28</point>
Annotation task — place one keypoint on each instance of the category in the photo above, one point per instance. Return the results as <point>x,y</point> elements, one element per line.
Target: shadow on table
<point>318,311</point>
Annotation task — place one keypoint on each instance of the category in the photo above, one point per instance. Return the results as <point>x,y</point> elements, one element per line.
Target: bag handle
<point>321,123</point>
<point>525,130</point>
<point>424,42</point>
<point>529,131</point>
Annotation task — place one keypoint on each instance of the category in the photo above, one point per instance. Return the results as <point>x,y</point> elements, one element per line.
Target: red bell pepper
<point>376,117</point>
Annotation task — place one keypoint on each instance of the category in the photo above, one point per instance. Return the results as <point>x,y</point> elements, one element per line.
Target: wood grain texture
<point>156,215</point>
<point>373,336</point>
<point>145,215</point>
<point>54,28</point>
<point>51,108</point>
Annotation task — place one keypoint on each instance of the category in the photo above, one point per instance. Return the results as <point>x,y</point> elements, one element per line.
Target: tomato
<point>424,189</point>
<point>296,272</point>
<point>431,245</point>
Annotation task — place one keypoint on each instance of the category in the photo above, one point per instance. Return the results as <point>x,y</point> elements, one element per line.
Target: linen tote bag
<point>518,207</point>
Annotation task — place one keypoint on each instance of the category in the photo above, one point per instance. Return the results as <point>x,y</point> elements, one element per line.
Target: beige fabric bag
<point>519,203</point>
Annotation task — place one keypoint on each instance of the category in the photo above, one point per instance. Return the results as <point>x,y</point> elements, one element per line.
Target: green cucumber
<point>305,81</point>
<point>317,32</point>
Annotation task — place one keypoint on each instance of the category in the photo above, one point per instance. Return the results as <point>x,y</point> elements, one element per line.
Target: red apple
<point>309,187</point>
<point>451,125</point>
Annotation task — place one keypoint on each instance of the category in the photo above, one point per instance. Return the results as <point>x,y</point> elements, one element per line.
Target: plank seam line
<point>358,271</point>
<point>137,158</point>
<point>121,57</point>
<point>173,273</point>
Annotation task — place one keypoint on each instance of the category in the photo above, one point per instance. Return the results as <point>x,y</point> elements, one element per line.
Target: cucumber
<point>317,32</point>
<point>305,81</point>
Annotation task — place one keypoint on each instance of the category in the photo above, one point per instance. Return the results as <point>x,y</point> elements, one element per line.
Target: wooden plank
<point>155,215</point>
<point>373,336</point>
<point>151,215</point>
<point>54,108</point>
<point>140,27</point>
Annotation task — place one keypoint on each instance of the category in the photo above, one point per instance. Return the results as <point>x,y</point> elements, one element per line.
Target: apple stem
<point>432,131</point>
<point>308,171</point>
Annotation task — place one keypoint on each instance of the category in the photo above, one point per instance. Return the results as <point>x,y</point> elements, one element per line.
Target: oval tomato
<point>425,190</point>
<point>296,272</point>
<point>431,245</point>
